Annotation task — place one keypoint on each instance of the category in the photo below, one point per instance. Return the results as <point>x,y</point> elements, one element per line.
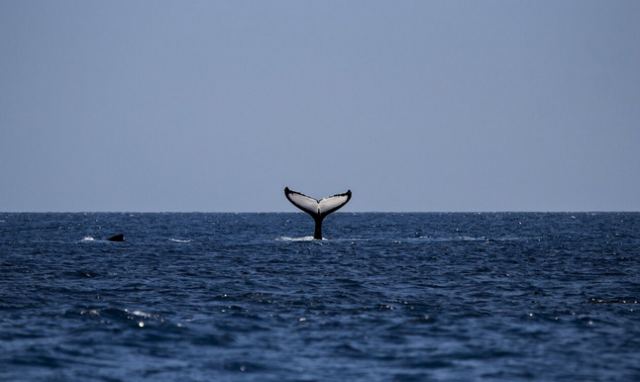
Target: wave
<point>419,239</point>
<point>88,238</point>
<point>135,317</point>
<point>180,240</point>
<point>303,238</point>
<point>453,238</point>
<point>468,238</point>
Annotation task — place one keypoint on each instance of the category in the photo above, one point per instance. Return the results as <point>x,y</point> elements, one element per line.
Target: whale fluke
<point>318,209</point>
<point>118,237</point>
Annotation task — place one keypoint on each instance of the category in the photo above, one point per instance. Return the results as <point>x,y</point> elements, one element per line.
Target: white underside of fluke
<point>313,206</point>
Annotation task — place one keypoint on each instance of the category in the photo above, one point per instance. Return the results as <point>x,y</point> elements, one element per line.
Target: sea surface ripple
<point>386,296</point>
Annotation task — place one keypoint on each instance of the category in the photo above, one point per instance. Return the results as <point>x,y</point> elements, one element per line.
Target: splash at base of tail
<point>317,209</point>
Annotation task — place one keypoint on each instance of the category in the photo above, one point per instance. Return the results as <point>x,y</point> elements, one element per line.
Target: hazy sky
<point>413,105</point>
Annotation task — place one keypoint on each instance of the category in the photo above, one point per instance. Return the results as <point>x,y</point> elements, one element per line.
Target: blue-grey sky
<point>413,105</point>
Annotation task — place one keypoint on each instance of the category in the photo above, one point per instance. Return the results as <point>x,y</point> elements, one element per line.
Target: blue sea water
<point>386,297</point>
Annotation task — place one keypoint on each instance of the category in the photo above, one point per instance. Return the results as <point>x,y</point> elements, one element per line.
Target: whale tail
<point>318,209</point>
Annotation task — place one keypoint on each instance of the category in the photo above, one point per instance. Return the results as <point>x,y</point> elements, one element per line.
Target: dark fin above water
<point>317,209</point>
<point>118,237</point>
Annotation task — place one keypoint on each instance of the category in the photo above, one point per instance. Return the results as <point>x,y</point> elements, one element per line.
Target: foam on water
<point>180,240</point>
<point>303,238</point>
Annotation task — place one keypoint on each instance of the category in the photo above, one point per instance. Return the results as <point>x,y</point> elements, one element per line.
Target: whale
<point>118,237</point>
<point>318,209</point>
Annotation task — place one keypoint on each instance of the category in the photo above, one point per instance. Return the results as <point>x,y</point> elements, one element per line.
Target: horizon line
<point>338,212</point>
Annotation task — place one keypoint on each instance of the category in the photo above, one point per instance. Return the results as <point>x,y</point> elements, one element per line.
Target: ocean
<point>385,297</point>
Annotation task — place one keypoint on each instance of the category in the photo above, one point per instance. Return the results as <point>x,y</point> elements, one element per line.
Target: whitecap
<point>139,313</point>
<point>180,240</point>
<point>88,238</point>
